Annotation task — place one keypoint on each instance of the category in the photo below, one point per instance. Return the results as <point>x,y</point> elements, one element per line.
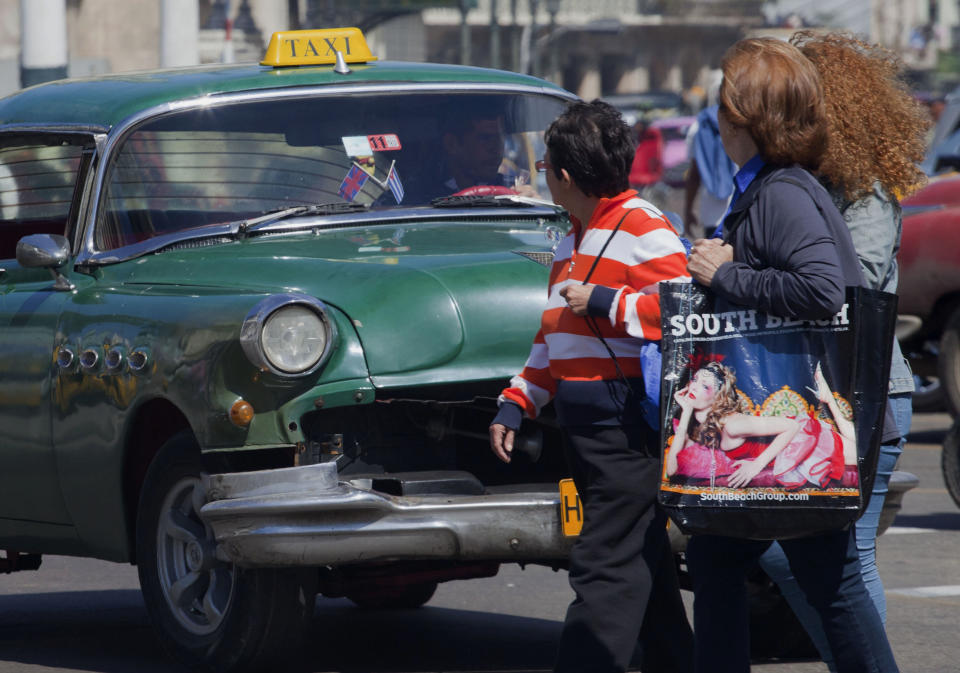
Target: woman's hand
<point>823,390</point>
<point>706,256</point>
<point>578,297</point>
<point>682,400</point>
<point>744,473</point>
<point>501,441</point>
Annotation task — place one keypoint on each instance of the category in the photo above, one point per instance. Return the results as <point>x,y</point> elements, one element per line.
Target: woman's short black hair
<point>593,143</point>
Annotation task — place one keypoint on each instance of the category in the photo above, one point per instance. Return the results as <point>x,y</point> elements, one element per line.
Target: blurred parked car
<point>648,105</point>
<point>675,157</point>
<point>929,324</point>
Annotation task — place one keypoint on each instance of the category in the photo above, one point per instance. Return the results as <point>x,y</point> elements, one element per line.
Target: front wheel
<point>927,394</point>
<point>209,615</point>
<point>948,363</point>
<point>950,462</point>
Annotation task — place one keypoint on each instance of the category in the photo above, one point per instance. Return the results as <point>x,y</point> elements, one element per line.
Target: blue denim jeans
<point>867,524</point>
<point>827,570</point>
<point>774,561</point>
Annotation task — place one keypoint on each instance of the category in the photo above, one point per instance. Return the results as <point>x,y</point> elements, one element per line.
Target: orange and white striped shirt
<point>643,252</point>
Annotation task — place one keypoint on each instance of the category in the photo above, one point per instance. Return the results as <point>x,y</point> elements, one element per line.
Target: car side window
<point>37,185</point>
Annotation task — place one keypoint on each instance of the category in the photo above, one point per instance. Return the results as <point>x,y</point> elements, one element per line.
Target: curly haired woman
<point>877,135</point>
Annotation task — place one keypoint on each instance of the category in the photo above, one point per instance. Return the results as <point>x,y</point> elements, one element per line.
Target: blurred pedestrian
<point>602,311</point>
<point>876,137</point>
<point>787,251</point>
<point>647,167</point>
<point>935,107</point>
<point>709,179</point>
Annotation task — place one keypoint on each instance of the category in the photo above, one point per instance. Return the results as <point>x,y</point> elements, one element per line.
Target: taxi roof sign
<point>317,47</point>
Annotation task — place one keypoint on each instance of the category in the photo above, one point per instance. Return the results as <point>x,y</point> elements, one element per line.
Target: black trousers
<point>621,566</point>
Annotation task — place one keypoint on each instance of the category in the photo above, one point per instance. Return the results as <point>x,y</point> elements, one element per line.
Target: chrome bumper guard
<point>305,516</point>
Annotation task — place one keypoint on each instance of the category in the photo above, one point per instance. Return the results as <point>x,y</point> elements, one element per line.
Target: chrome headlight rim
<point>252,331</point>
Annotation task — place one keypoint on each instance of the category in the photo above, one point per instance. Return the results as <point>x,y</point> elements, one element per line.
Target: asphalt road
<point>83,615</point>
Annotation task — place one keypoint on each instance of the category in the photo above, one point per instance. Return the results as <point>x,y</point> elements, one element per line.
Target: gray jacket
<point>875,224</point>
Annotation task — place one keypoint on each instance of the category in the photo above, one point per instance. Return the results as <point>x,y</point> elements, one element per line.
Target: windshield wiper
<point>254,223</point>
<point>484,201</point>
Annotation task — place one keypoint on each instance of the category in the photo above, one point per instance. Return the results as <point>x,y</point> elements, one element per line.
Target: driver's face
<point>480,150</point>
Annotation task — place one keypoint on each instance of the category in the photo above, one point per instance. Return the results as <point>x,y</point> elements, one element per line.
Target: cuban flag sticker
<point>393,182</point>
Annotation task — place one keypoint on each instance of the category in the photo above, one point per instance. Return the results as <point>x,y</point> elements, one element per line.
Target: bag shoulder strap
<point>591,323</point>
<point>596,260</point>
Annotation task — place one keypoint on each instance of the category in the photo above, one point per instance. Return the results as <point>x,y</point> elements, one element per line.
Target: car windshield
<point>380,150</point>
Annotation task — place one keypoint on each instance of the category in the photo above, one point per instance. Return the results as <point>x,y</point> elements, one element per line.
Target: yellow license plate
<point>571,511</point>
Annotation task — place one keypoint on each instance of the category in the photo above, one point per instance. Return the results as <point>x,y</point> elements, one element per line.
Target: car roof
<point>104,101</point>
<point>658,98</point>
<point>673,122</point>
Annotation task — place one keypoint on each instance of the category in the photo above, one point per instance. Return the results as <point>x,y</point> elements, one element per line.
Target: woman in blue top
<point>787,251</point>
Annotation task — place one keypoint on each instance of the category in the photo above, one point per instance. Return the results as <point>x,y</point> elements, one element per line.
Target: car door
<point>39,194</point>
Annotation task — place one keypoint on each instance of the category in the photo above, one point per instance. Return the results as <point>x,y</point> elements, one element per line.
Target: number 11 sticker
<point>384,142</point>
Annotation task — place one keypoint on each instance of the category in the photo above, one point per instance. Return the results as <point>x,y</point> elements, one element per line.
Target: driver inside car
<point>474,162</point>
<point>474,150</point>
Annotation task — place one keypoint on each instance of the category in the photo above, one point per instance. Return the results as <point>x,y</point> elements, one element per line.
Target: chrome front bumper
<point>305,516</point>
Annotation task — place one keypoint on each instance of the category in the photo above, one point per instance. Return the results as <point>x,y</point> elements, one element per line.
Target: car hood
<point>420,296</point>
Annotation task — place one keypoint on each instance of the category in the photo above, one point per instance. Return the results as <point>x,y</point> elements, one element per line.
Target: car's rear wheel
<point>775,632</point>
<point>394,597</point>
<point>209,615</point>
<point>950,461</point>
<point>948,363</point>
<point>927,394</point>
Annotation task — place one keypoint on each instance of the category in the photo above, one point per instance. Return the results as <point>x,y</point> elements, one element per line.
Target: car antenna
<point>341,68</point>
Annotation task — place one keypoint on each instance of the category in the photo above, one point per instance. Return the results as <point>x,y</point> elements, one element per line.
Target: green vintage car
<point>253,331</point>
<point>253,324</point>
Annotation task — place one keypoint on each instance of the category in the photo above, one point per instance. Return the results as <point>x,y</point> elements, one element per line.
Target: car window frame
<point>89,138</point>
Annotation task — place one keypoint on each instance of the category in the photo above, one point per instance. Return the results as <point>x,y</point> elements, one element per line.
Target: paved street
<point>81,615</point>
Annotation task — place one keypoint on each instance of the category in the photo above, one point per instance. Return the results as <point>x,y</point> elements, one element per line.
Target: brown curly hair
<point>876,127</point>
<point>727,401</point>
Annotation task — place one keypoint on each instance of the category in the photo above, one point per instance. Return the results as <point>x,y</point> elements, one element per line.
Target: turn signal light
<point>241,413</point>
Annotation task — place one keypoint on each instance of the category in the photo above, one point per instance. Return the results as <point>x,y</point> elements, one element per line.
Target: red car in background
<point>929,325</point>
<point>929,308</point>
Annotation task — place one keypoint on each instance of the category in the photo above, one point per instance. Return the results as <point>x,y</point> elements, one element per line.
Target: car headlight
<point>288,334</point>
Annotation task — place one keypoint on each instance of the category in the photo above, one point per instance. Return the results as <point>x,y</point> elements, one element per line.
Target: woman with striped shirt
<point>602,310</point>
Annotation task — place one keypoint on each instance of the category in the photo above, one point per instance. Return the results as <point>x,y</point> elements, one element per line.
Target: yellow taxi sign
<point>571,511</point>
<point>317,47</point>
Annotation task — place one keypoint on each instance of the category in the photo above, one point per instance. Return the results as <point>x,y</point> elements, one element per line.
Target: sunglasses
<point>541,165</point>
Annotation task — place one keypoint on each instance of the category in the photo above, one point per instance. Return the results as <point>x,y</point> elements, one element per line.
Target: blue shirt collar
<point>748,172</point>
<point>742,180</point>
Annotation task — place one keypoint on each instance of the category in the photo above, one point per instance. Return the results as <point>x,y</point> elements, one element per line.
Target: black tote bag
<point>770,427</point>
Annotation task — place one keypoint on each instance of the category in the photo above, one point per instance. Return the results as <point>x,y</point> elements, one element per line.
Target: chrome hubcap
<point>198,588</point>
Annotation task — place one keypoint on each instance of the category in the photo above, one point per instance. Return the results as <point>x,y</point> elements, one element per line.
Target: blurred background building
<point>592,47</point>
